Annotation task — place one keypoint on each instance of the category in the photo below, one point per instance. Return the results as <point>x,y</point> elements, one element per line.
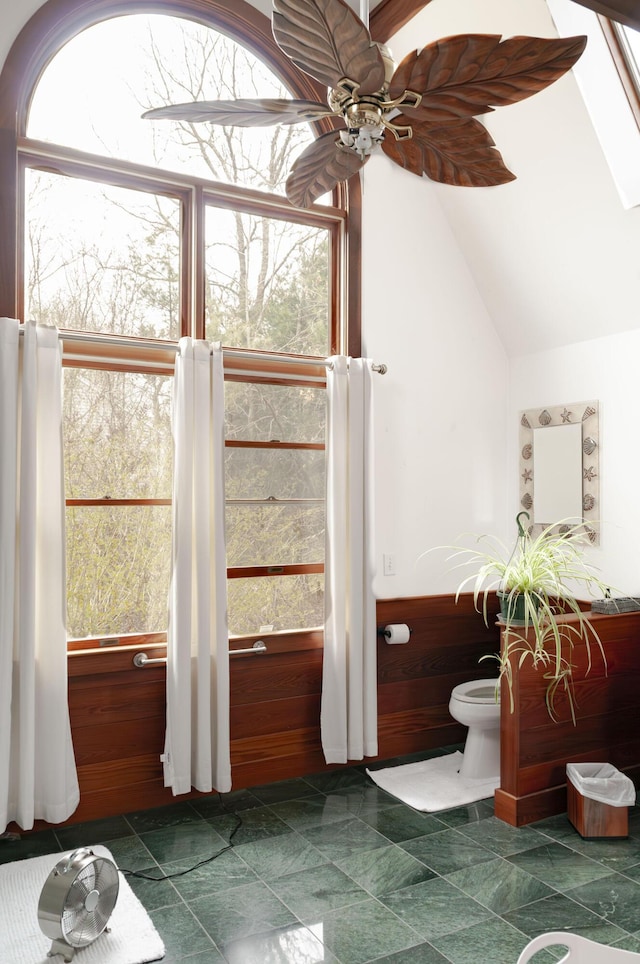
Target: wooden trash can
<point>594,819</point>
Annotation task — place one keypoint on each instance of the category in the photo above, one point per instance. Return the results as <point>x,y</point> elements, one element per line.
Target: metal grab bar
<point>141,659</point>
<point>258,647</point>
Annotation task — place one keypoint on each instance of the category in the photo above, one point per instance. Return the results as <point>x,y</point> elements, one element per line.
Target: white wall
<point>554,253</point>
<point>441,408</point>
<point>605,369</point>
<point>13,17</point>
<point>554,256</point>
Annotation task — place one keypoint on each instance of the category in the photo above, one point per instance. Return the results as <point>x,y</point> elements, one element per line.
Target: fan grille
<point>81,925</point>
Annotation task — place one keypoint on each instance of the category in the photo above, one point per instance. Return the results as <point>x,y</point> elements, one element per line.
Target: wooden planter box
<point>535,750</point>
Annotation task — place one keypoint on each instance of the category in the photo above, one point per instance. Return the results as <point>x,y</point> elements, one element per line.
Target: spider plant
<point>536,582</point>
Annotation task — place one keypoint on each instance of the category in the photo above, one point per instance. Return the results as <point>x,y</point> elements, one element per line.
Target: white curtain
<point>197,752</point>
<point>349,712</point>
<point>38,777</point>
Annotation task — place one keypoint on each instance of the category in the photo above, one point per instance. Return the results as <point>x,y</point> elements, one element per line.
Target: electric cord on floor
<point>207,860</point>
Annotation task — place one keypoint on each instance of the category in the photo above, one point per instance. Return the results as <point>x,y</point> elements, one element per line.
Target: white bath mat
<point>433,784</point>
<point>132,938</point>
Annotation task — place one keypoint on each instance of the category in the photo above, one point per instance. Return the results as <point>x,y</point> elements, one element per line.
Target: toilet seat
<point>476,691</point>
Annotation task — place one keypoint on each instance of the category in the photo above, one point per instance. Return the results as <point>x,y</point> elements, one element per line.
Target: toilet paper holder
<point>395,632</point>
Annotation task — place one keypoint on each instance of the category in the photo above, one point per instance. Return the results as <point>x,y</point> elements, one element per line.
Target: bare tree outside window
<point>107,250</point>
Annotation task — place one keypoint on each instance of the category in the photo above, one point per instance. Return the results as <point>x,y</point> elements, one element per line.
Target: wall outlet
<point>389,563</point>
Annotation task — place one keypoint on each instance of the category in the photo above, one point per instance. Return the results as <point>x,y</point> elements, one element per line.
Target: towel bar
<point>141,659</point>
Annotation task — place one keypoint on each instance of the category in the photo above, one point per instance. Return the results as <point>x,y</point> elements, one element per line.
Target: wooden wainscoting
<point>415,680</point>
<point>118,710</point>
<point>535,749</point>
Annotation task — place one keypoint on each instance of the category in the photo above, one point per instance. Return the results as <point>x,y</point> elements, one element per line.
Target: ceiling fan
<point>421,113</point>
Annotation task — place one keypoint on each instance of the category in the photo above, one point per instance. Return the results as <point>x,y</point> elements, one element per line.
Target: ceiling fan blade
<point>258,112</point>
<point>461,153</point>
<point>329,42</point>
<point>320,167</point>
<point>473,73</point>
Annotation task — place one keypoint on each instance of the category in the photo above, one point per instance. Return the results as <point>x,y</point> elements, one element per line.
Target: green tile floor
<point>332,869</point>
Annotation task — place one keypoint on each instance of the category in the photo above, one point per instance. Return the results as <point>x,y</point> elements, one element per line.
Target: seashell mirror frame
<point>583,417</point>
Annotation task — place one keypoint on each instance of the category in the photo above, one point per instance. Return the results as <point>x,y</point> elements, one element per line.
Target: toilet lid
<point>477,691</point>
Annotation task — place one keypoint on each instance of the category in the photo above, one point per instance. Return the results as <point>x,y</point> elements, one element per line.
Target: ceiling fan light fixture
<point>429,102</point>
<point>363,140</point>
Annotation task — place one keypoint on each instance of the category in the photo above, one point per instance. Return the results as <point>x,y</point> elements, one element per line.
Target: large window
<point>132,233</point>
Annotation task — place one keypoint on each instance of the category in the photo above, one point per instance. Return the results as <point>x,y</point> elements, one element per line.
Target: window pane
<point>269,474</point>
<point>101,258</point>
<point>118,560</point>
<point>267,283</point>
<point>268,413</point>
<point>112,72</point>
<point>631,45</point>
<point>275,603</point>
<point>117,435</point>
<point>274,535</point>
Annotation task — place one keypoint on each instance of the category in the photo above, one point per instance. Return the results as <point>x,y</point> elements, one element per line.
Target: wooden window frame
<point>610,30</point>
<point>55,23</point>
<point>51,26</point>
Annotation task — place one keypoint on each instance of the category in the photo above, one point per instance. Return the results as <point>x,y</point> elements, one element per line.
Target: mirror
<point>559,465</point>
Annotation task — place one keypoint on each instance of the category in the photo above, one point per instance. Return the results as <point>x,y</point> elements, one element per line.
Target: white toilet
<point>474,704</point>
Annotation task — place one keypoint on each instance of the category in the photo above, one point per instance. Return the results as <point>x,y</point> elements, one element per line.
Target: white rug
<point>132,938</point>
<point>433,784</point>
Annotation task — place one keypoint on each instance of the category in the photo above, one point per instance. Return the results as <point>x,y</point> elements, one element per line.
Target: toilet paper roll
<point>397,633</point>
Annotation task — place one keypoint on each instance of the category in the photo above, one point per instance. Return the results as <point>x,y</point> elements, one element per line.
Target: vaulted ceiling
<point>389,15</point>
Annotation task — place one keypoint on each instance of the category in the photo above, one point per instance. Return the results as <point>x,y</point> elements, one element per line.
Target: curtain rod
<point>144,343</point>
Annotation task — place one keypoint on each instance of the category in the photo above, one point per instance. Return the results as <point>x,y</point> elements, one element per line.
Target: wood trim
<point>244,444</point>
<point>249,572</point>
<point>275,703</point>
<point>352,266</point>
<point>53,24</point>
<point>389,16</point>
<point>109,501</point>
<point>57,21</point>
<point>623,11</point>
<point>9,221</point>
<point>619,59</point>
<point>127,641</point>
<point>534,749</point>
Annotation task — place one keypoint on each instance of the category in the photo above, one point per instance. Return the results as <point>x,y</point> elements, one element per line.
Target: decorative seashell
<point>589,474</point>
<point>524,421</point>
<point>527,451</point>
<point>527,476</point>
<point>544,418</point>
<point>588,412</point>
<point>526,501</point>
<point>563,528</point>
<point>591,534</point>
<point>589,445</point>
<point>565,415</point>
<point>588,502</point>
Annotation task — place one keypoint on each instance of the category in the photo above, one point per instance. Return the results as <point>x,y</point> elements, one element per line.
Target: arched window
<point>131,233</point>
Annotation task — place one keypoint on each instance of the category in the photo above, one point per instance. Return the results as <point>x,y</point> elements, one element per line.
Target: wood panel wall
<point>415,680</point>
<point>118,711</point>
<point>534,749</point>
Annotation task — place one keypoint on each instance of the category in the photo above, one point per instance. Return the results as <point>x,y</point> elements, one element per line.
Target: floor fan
<point>77,901</point>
